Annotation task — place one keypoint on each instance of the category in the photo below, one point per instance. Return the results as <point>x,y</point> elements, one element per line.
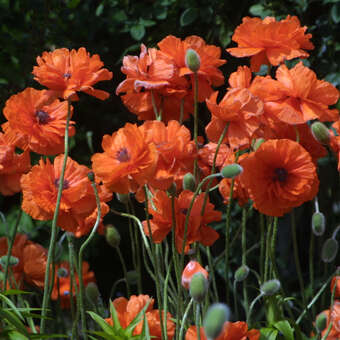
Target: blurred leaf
<point>119,16</point>
<point>3,81</point>
<point>188,16</point>
<point>330,2</point>
<point>73,3</point>
<point>335,13</point>
<point>260,11</point>
<point>100,9</point>
<point>225,36</point>
<point>146,22</point>
<point>161,12</point>
<point>137,32</point>
<point>268,334</point>
<point>285,328</point>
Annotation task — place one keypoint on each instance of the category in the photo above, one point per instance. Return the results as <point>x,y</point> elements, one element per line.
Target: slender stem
<point>72,280</point>
<point>196,121</point>
<point>212,274</point>
<point>184,319</point>
<point>252,307</point>
<point>80,262</point>
<point>266,263</point>
<point>198,321</point>
<point>235,299</point>
<point>50,254</point>
<point>311,266</point>
<point>262,249</point>
<point>273,248</point>
<point>244,258</point>
<point>122,262</point>
<point>154,105</point>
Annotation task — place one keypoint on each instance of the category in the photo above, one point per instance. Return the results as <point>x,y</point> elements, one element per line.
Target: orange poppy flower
<point>198,229</point>
<point>12,166</point>
<point>127,310</point>
<point>40,187</point>
<point>333,315</point>
<point>127,161</point>
<point>336,282</point>
<point>238,108</point>
<point>176,152</point>
<point>68,72</point>
<point>269,41</point>
<point>296,96</point>
<point>240,79</point>
<point>37,121</point>
<point>279,175</point>
<point>231,331</point>
<point>62,283</point>
<point>190,270</point>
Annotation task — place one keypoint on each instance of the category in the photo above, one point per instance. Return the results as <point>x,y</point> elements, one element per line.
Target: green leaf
<point>147,22</point>
<point>3,81</point>
<point>114,316</point>
<point>260,11</point>
<point>268,334</point>
<point>188,16</point>
<point>14,335</point>
<point>12,306</point>
<point>73,3</point>
<point>137,32</point>
<point>161,12</point>
<point>102,323</point>
<point>225,36</point>
<point>285,328</point>
<point>100,9</point>
<point>12,319</point>
<point>335,13</point>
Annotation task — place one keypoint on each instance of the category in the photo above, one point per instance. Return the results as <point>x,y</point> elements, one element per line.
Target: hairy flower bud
<point>321,322</point>
<point>241,273</point>
<point>270,287</point>
<point>112,236</point>
<point>189,182</point>
<point>192,60</point>
<point>216,316</point>
<point>198,287</point>
<point>92,292</point>
<point>318,223</point>
<point>321,133</point>
<point>329,250</point>
<point>231,170</point>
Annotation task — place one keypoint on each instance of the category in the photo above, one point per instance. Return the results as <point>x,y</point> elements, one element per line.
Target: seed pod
<point>321,133</point>
<point>216,316</point>
<point>189,182</point>
<point>123,198</point>
<point>318,223</point>
<point>132,277</point>
<point>62,272</point>
<point>231,170</point>
<point>112,236</point>
<point>321,322</point>
<point>270,287</point>
<point>329,250</point>
<point>92,292</point>
<point>13,261</point>
<point>241,273</point>
<point>192,60</point>
<point>198,287</point>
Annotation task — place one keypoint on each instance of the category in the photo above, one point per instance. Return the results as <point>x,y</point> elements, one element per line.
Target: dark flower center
<point>66,184</point>
<point>123,155</point>
<point>42,117</point>
<point>184,211</point>
<point>280,174</point>
<point>67,75</point>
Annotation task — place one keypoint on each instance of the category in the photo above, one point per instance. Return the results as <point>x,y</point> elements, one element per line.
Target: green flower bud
<point>123,198</point>
<point>189,182</point>
<point>62,272</point>
<point>132,277</point>
<point>112,236</point>
<point>321,133</point>
<point>241,273</point>
<point>321,322</point>
<point>192,60</point>
<point>92,292</point>
<point>13,261</point>
<point>258,143</point>
<point>198,287</point>
<point>216,316</point>
<point>90,176</point>
<point>172,189</point>
<point>270,287</point>
<point>318,223</point>
<point>329,250</point>
<point>231,171</point>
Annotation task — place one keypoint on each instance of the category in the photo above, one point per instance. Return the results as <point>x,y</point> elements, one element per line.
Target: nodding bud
<point>123,198</point>
<point>231,170</point>
<point>62,272</point>
<point>198,287</point>
<point>189,182</point>
<point>172,189</point>
<point>321,133</point>
<point>92,292</point>
<point>112,236</point>
<point>241,273</point>
<point>258,143</point>
<point>216,316</point>
<point>318,223</point>
<point>192,60</point>
<point>270,287</point>
<point>90,176</point>
<point>321,322</point>
<point>13,261</point>
<point>329,250</point>
<point>132,277</point>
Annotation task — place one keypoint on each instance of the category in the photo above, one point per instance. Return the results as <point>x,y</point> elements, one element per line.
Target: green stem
<point>196,121</point>
<point>184,319</point>
<point>154,106</point>
<point>244,258</point>
<point>262,249</point>
<point>121,258</point>
<point>198,321</point>
<point>252,307</point>
<point>50,254</point>
<point>266,263</point>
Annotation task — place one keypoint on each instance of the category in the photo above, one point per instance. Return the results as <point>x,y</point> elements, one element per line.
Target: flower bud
<point>92,292</point>
<point>90,176</point>
<point>122,198</point>
<point>190,270</point>
<point>270,287</point>
<point>318,223</point>
<point>13,261</point>
<point>329,250</point>
<point>62,272</point>
<point>112,236</point>
<point>321,133</point>
<point>132,277</point>
<point>172,189</point>
<point>241,273</point>
<point>198,287</point>
<point>192,60</point>
<point>216,316</point>
<point>321,322</point>
<point>231,170</point>
<point>189,182</point>
<point>258,143</point>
